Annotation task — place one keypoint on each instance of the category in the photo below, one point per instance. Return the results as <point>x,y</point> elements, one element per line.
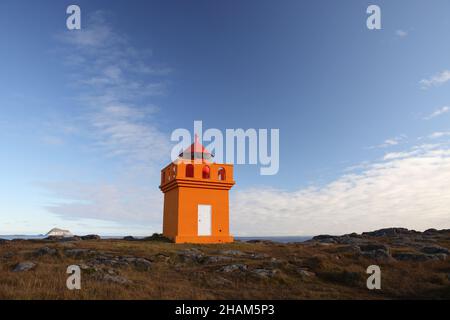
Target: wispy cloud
<point>438,113</point>
<point>401,33</point>
<point>390,142</point>
<point>113,82</point>
<point>409,190</point>
<point>439,134</point>
<point>436,80</point>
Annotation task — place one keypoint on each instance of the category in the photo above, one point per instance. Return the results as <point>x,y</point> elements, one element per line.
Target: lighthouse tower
<point>196,208</point>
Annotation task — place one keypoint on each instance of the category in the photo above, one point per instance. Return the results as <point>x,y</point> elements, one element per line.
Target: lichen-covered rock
<point>435,250</point>
<point>24,266</point>
<point>90,237</point>
<point>265,273</point>
<point>233,268</point>
<point>45,251</point>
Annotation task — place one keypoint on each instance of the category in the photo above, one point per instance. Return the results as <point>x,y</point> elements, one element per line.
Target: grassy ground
<point>296,271</point>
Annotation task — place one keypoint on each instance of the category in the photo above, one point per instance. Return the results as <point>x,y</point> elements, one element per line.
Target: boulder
<point>45,251</point>
<point>142,264</point>
<point>193,255</point>
<point>305,273</point>
<point>115,279</point>
<point>265,273</point>
<point>90,237</point>
<point>157,237</point>
<point>435,250</point>
<point>77,253</point>
<point>408,256</point>
<point>233,268</point>
<point>24,266</point>
<point>325,238</point>
<point>216,259</point>
<point>390,232</point>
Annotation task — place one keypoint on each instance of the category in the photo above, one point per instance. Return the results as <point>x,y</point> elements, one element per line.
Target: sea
<point>283,239</point>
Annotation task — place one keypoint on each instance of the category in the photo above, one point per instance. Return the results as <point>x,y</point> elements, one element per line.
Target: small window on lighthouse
<point>221,174</point>
<point>205,172</point>
<point>189,171</point>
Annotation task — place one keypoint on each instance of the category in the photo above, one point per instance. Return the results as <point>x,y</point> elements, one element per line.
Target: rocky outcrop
<point>45,251</point>
<point>90,237</point>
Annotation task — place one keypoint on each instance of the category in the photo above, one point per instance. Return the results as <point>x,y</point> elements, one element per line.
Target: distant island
<point>55,232</point>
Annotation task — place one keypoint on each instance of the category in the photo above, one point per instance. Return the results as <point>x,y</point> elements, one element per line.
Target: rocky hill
<point>413,265</point>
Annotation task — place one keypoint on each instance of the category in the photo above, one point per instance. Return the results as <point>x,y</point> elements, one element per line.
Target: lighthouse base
<point>202,239</point>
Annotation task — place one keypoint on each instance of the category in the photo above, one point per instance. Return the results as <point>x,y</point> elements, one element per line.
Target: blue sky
<point>363,115</point>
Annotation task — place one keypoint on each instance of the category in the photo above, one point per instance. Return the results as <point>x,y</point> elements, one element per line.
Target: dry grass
<point>338,274</point>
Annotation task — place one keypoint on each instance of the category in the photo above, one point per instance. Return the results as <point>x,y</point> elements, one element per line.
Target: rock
<point>305,273</point>
<point>431,231</point>
<point>375,251</point>
<point>407,256</point>
<point>63,239</point>
<point>24,266</point>
<point>129,238</point>
<point>142,264</point>
<point>233,267</point>
<point>90,237</point>
<point>441,256</point>
<point>260,241</point>
<point>45,251</point>
<point>115,279</point>
<point>8,255</point>
<point>259,256</point>
<point>191,255</point>
<point>220,281</point>
<point>107,260</point>
<point>232,253</point>
<point>157,237</point>
<point>216,259</point>
<point>265,273</point>
<point>324,238</point>
<point>77,253</point>
<point>345,239</point>
<point>390,232</point>
<point>435,250</point>
<point>349,249</point>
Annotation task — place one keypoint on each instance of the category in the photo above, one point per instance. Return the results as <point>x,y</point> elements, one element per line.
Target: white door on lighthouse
<point>204,220</point>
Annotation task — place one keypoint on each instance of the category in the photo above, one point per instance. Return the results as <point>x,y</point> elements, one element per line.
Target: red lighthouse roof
<point>196,151</point>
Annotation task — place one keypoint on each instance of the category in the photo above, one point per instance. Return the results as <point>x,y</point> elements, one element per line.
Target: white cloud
<point>436,80</point>
<point>438,113</point>
<point>410,190</point>
<point>401,33</point>
<point>390,142</point>
<point>439,134</point>
<point>113,82</point>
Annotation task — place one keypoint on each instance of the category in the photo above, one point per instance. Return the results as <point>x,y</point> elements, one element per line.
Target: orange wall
<point>182,195</point>
<point>190,198</point>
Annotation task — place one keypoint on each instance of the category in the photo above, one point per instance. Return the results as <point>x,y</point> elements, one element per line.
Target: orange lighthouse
<point>196,208</point>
